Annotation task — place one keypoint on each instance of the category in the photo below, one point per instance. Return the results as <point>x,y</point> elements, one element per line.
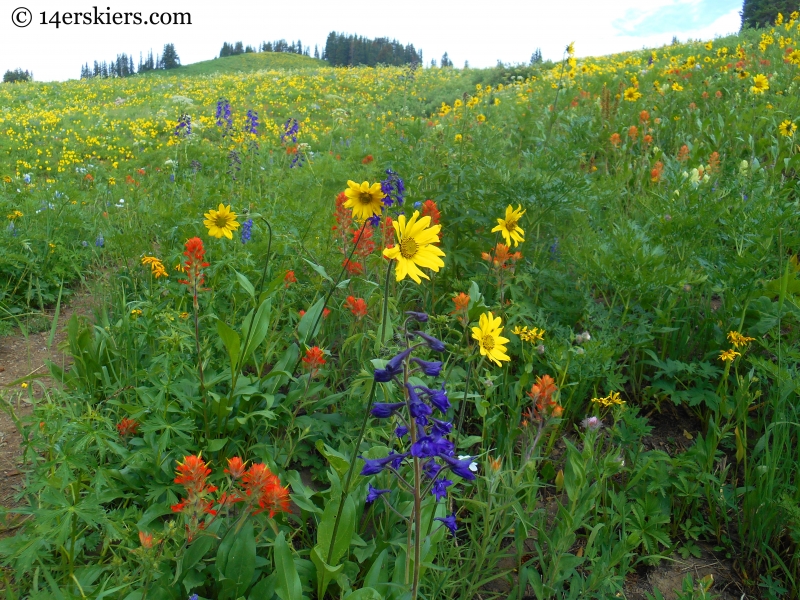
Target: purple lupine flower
<point>184,126</point>
<point>290,129</point>
<point>100,241</point>
<point>439,488</point>
<point>252,122</point>
<point>449,522</point>
<point>431,445</point>
<point>224,113</point>
<point>432,368</point>
<point>460,466</point>
<point>433,343</point>
<point>384,410</point>
<point>247,230</point>
<point>374,493</point>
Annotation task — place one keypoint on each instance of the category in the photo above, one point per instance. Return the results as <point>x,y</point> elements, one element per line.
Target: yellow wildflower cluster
<point>612,399</point>
<point>14,214</point>
<point>156,266</point>
<point>728,355</point>
<point>738,340</point>
<point>532,335</point>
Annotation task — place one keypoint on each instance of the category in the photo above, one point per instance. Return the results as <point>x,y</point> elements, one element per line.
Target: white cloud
<point>480,32</point>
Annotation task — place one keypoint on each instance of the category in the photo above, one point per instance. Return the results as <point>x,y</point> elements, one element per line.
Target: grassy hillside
<point>605,253</point>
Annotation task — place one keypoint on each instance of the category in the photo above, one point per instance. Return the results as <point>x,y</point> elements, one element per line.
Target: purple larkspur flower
<point>393,367</point>
<point>401,431</point>
<point>373,466</point>
<point>374,493</point>
<point>384,410</point>
<point>431,469</point>
<point>439,488</point>
<point>449,522</point>
<point>433,343</point>
<point>460,466</point>
<point>441,428</point>
<point>252,122</point>
<point>418,316</point>
<point>432,368</point>
<point>431,445</point>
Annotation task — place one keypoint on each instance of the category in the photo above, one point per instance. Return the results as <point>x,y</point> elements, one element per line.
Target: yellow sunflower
<point>632,94</point>
<point>415,247</point>
<point>508,227</point>
<point>492,344</point>
<point>787,128</point>
<point>364,199</point>
<point>760,84</point>
<point>221,222</point>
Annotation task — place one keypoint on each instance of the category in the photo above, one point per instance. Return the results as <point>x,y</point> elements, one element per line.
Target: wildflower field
<point>395,333</point>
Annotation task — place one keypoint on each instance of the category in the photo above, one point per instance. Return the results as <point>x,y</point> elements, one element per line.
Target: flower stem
<point>348,481</point>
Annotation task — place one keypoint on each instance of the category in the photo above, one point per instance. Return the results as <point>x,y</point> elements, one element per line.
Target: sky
<point>479,32</point>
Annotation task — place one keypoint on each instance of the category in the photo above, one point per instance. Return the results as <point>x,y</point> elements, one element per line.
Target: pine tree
<point>446,62</point>
<point>238,48</point>
<point>762,13</point>
<point>536,57</point>
<point>170,58</point>
<point>316,51</point>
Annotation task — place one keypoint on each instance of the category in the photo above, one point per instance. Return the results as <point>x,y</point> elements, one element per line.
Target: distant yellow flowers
<point>14,214</point>
<point>156,266</point>
<point>487,334</point>
<point>760,84</point>
<point>416,247</point>
<point>787,128</point>
<point>509,227</point>
<point>677,87</point>
<point>728,355</point>
<point>533,335</point>
<point>221,222</point>
<point>364,200</point>
<point>612,399</point>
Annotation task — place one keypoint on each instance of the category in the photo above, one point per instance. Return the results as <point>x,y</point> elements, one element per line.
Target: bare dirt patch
<point>24,357</point>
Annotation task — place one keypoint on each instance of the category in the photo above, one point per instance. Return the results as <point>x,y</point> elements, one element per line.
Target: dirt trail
<point>20,357</point>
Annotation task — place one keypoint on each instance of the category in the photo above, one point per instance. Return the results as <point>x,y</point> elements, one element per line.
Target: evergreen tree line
<point>277,46</point>
<point>351,50</point>
<point>762,13</point>
<point>17,75</point>
<point>122,66</point>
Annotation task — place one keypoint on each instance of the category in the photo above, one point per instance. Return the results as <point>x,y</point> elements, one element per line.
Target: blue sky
<point>469,30</point>
<point>674,17</point>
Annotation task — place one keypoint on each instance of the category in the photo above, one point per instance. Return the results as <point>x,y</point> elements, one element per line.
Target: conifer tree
<point>762,13</point>
<point>170,59</point>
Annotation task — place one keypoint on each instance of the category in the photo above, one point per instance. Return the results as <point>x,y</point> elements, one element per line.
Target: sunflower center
<point>408,247</point>
<point>221,221</point>
<point>511,224</point>
<point>365,198</point>
<point>488,343</point>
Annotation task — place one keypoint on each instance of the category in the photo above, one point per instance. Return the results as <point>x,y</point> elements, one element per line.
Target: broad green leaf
<point>366,593</point>
<point>320,270</point>
<point>308,320</point>
<point>288,587</point>
<point>241,563</point>
<point>231,340</point>
<point>260,329</point>
<point>325,572</point>
<point>344,533</point>
<point>246,285</point>
<point>216,445</point>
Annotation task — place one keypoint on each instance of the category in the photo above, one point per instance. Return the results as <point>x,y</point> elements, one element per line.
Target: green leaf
<point>309,319</point>
<point>196,551</point>
<point>260,329</point>
<point>246,285</point>
<point>264,588</point>
<point>325,572</point>
<point>231,340</point>
<point>344,533</point>
<point>289,587</point>
<point>241,564</point>
<point>378,575</point>
<point>366,593</point>
<point>320,270</point>
<point>216,445</point>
